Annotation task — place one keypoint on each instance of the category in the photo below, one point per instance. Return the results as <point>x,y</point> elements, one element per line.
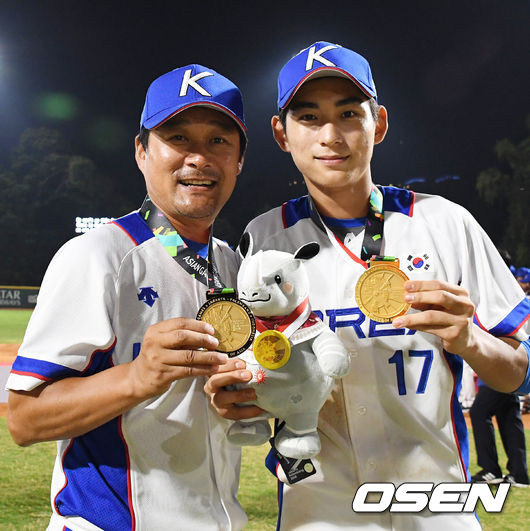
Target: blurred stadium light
<point>86,224</point>
<point>57,106</point>
<point>447,178</point>
<point>416,180</point>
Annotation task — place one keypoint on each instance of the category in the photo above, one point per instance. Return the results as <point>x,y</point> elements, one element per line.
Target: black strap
<point>202,269</point>
<point>373,230</point>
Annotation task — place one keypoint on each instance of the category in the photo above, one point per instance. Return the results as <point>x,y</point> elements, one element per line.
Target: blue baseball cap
<point>523,274</point>
<point>324,59</point>
<point>189,86</point>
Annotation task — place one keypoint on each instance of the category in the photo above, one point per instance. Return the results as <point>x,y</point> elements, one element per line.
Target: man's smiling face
<point>191,163</point>
<point>330,133</point>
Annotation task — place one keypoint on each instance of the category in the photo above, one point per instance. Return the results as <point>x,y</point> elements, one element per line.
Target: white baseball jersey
<point>395,417</point>
<point>165,464</point>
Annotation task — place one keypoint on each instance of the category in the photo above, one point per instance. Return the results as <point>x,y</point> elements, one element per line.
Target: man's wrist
<point>473,352</point>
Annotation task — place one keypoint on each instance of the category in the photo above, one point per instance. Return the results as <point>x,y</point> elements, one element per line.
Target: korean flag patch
<point>418,262</point>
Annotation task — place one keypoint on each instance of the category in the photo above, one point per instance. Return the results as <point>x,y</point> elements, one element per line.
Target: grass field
<point>13,325</point>
<point>26,472</point>
<point>25,476</point>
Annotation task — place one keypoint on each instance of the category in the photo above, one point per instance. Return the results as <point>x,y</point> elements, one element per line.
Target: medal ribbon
<point>373,231</point>
<point>202,269</point>
<point>289,324</point>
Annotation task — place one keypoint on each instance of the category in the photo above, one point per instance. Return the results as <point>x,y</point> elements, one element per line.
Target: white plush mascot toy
<point>294,359</point>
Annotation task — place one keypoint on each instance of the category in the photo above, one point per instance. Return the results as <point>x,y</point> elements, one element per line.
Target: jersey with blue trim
<point>164,464</point>
<point>395,417</point>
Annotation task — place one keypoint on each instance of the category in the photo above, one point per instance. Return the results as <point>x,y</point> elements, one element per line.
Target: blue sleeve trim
<point>43,370</point>
<point>513,321</point>
<point>525,386</point>
<point>47,371</point>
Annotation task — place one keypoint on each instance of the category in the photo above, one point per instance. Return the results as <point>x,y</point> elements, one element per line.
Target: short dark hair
<point>242,142</point>
<point>374,109</point>
<point>506,256</point>
<point>143,137</point>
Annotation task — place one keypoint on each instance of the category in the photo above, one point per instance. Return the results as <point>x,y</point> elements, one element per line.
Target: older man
<point>113,361</point>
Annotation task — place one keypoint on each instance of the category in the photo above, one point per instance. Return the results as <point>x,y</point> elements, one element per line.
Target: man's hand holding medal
<point>446,311</point>
<point>385,294</point>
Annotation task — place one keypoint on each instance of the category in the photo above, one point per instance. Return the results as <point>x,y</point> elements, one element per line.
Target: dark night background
<point>454,76</point>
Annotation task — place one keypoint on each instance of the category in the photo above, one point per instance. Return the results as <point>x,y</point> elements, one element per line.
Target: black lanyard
<point>373,230</point>
<point>202,269</point>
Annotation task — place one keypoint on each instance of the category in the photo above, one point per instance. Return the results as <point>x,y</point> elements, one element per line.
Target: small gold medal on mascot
<point>272,349</point>
<point>233,322</point>
<point>380,291</point>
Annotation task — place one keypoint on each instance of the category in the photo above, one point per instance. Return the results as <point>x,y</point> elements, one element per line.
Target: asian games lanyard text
<point>373,232</point>
<point>202,269</point>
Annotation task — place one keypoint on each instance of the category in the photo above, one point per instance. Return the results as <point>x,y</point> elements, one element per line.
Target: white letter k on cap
<point>312,56</point>
<point>188,81</point>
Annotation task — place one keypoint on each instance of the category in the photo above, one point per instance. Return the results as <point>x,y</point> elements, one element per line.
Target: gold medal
<point>379,291</point>
<point>233,322</point>
<point>272,349</point>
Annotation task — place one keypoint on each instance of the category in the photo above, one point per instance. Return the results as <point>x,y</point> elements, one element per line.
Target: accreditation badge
<point>380,290</point>
<point>232,320</point>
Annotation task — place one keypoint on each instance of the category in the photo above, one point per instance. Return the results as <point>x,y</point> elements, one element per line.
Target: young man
<point>395,418</point>
<point>113,361</point>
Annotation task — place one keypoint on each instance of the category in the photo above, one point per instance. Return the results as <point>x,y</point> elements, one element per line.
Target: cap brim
<point>158,120</point>
<point>327,71</point>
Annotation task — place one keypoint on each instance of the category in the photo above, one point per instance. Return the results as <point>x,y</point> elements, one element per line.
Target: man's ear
<point>278,132</point>
<point>139,153</point>
<point>381,127</point>
<point>240,164</point>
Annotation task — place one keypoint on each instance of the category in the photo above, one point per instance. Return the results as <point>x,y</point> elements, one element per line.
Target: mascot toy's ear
<point>307,251</point>
<point>245,245</point>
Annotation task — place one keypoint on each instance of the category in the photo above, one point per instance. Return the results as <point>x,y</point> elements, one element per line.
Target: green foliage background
<point>44,188</point>
<point>46,184</point>
<point>506,188</point>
